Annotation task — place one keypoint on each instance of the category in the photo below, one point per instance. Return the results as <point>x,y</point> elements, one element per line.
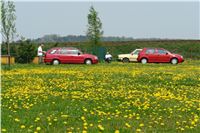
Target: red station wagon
<point>158,55</point>
<point>70,55</point>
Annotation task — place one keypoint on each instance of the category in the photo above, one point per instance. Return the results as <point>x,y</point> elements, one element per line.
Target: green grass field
<point>108,98</point>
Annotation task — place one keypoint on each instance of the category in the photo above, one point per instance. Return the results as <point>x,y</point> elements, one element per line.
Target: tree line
<point>77,38</point>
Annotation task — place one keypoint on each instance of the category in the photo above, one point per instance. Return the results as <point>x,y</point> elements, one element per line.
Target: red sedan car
<point>158,55</point>
<point>70,55</point>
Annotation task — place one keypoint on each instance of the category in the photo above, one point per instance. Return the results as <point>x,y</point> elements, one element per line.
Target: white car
<point>132,57</point>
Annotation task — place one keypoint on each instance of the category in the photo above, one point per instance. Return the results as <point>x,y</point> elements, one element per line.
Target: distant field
<point>106,98</point>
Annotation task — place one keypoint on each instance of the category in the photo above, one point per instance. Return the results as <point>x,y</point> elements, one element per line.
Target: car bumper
<point>119,59</point>
<point>95,61</point>
<point>182,60</point>
<point>47,60</point>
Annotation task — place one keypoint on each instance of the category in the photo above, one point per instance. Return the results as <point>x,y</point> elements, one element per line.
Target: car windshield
<point>53,51</point>
<point>136,52</point>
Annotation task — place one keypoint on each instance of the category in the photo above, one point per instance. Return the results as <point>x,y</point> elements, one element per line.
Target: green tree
<point>94,31</point>
<point>25,52</point>
<point>8,29</point>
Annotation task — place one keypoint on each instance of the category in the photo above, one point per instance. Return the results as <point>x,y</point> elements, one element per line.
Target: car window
<point>73,52</point>
<point>69,51</point>
<point>53,51</point>
<point>63,51</point>
<point>161,51</point>
<point>150,51</point>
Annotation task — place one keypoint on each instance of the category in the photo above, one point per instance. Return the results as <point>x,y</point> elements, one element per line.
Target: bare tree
<point>8,29</point>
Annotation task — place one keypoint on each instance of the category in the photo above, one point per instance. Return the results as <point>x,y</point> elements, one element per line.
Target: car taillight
<point>96,58</point>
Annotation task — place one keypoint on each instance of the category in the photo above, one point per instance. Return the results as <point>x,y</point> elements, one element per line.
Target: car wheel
<point>125,60</point>
<point>174,61</point>
<point>144,61</point>
<point>88,62</point>
<point>56,62</point>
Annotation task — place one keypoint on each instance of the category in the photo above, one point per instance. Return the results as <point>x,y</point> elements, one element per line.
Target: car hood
<point>177,55</point>
<point>173,54</point>
<point>123,55</point>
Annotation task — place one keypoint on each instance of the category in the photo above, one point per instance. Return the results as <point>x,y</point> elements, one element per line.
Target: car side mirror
<point>79,53</point>
<point>167,53</point>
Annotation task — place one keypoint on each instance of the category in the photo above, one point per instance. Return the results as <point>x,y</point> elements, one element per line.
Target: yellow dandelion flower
<point>138,130</point>
<point>37,119</point>
<point>38,128</point>
<point>101,127</point>
<point>137,118</point>
<point>116,131</point>
<point>82,118</point>
<point>141,125</point>
<point>22,126</point>
<point>85,109</point>
<point>17,120</point>
<point>128,125</point>
<point>64,116</point>
<point>182,129</point>
<point>84,131</point>
<point>3,130</point>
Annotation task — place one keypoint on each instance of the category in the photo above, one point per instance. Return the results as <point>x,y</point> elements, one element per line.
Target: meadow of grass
<point>106,98</point>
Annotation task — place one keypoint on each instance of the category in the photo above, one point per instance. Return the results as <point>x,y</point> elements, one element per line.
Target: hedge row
<point>25,51</point>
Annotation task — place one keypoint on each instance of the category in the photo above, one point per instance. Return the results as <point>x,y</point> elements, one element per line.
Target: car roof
<point>153,48</point>
<point>69,48</point>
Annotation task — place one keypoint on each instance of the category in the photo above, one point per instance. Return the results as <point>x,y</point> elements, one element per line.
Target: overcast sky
<point>173,20</point>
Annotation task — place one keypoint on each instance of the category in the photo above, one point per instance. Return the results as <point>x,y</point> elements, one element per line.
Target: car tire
<point>144,60</point>
<point>88,61</point>
<point>174,61</point>
<point>125,60</point>
<point>55,62</point>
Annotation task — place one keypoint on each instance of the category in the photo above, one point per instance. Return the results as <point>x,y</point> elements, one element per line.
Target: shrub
<point>26,52</point>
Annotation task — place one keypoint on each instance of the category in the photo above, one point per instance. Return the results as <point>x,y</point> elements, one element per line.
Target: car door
<point>77,57</point>
<point>64,55</point>
<point>163,55</point>
<point>151,55</point>
<point>134,55</point>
